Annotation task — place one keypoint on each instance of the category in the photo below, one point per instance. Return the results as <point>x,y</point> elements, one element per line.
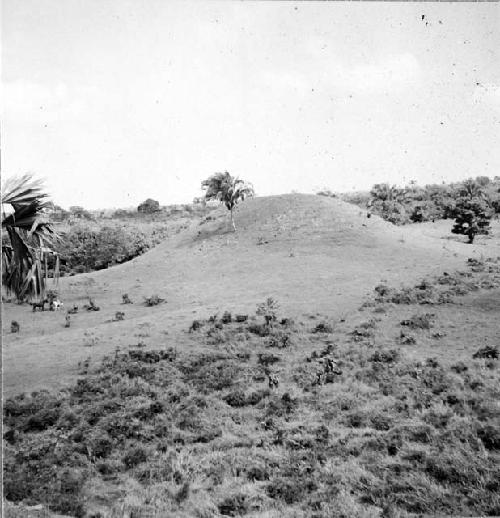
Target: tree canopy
<point>149,206</point>
<point>228,190</point>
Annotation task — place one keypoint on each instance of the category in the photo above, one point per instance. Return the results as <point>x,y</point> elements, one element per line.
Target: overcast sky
<point>114,101</point>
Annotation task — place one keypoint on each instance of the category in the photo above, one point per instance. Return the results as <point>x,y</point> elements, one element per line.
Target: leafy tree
<point>227,189</point>
<point>472,211</point>
<point>149,206</point>
<point>483,181</point>
<point>471,189</point>
<point>389,202</point>
<point>386,192</point>
<point>268,310</point>
<point>27,237</point>
<point>122,213</point>
<point>424,211</point>
<point>86,248</point>
<point>79,212</point>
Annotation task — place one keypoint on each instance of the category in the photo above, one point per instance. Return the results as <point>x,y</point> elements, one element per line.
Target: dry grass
<point>359,423</point>
<point>200,434</point>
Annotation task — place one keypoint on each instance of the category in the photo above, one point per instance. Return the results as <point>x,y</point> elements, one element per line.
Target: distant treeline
<point>415,204</point>
<point>148,210</point>
<point>94,240</point>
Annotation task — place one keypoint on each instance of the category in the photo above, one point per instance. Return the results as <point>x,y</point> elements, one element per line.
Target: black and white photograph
<point>250,259</point>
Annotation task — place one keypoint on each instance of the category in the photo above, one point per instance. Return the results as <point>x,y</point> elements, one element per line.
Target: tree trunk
<point>232,220</point>
<point>471,237</point>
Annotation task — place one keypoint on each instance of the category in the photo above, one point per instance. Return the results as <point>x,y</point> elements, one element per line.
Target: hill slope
<point>312,254</point>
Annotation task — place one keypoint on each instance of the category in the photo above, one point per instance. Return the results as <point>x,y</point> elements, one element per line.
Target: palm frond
<point>226,189</point>
<point>22,190</point>
<point>29,236</point>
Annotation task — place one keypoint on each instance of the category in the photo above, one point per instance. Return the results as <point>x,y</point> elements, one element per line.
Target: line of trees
<point>471,204</point>
<point>414,204</point>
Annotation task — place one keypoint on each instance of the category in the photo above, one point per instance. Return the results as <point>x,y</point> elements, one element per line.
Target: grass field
<point>372,390</point>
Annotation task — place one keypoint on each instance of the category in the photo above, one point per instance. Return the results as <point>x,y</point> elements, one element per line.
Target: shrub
<point>135,456</point>
<point>15,327</point>
<point>268,310</point>
<point>385,356</point>
<point>323,327</point>
<point>238,398</point>
<point>154,300</point>
<point>490,435</point>
<point>472,217</point>
<point>195,325</point>
<point>488,351</point>
<point>216,335</point>
<point>267,359</point>
<point>226,318</point>
<point>234,505</point>
<point>216,375</point>
<point>279,339</point>
<point>259,329</point>
<point>424,321</point>
<point>290,490</point>
<point>459,367</point>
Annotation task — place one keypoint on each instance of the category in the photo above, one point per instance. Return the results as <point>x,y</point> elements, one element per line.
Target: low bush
<point>280,339</point>
<point>487,352</point>
<point>238,398</point>
<point>135,456</point>
<point>154,300</point>
<point>226,317</point>
<point>406,339</point>
<point>234,505</point>
<point>423,321</point>
<point>323,327</point>
<point>196,325</point>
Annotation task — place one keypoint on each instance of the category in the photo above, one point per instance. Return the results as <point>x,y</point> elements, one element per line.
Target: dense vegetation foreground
<point>271,417</point>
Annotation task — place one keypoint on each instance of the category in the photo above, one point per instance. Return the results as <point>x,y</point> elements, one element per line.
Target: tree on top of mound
<point>228,190</point>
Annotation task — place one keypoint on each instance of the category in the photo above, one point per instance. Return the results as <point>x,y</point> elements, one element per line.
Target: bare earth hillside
<point>312,254</point>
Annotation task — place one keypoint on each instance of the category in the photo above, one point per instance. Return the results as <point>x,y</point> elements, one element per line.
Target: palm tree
<point>26,238</point>
<point>228,190</point>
